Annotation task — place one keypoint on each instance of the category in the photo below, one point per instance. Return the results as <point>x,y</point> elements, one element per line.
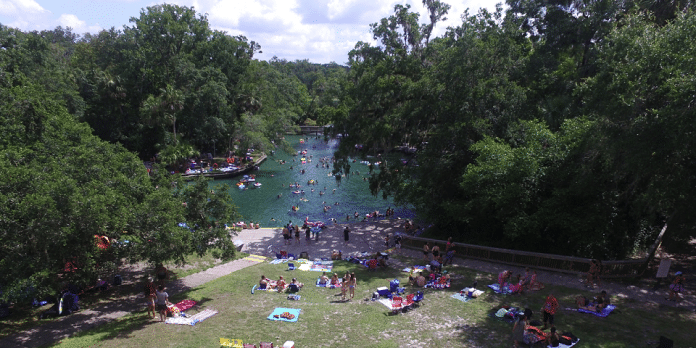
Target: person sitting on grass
<point>534,284</point>
<point>334,280</point>
<point>503,278</point>
<point>323,279</point>
<point>516,288</point>
<point>281,284</point>
<point>263,283</point>
<point>676,287</point>
<point>411,275</point>
<point>602,300</point>
<point>420,280</point>
<point>296,283</point>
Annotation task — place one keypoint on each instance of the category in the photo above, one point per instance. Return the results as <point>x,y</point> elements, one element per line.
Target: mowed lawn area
<point>325,321</point>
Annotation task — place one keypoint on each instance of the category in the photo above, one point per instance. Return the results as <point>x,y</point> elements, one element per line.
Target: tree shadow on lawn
<point>123,328</point>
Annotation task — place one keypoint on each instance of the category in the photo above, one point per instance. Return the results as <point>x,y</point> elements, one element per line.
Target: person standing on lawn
<point>150,296</point>
<point>162,302</point>
<point>549,310</point>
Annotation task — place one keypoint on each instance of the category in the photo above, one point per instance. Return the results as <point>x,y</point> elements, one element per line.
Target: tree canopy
<point>559,126</point>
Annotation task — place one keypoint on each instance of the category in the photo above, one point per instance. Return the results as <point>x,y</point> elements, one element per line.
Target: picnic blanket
<point>462,295</point>
<point>185,304</point>
<point>276,315</point>
<point>192,320</point>
<point>496,288</point>
<point>387,302</point>
<point>604,313</point>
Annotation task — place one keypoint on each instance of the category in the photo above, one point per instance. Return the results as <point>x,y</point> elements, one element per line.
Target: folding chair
<point>293,288</point>
<point>418,298</point>
<point>265,345</point>
<point>291,266</point>
<point>409,302</point>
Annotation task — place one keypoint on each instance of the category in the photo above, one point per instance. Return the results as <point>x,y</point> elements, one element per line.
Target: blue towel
<point>279,311</point>
<point>605,312</point>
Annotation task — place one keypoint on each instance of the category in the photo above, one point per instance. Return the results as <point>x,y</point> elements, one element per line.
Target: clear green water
<point>261,205</point>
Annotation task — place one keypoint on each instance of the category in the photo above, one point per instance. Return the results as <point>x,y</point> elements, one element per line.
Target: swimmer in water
<point>334,191</point>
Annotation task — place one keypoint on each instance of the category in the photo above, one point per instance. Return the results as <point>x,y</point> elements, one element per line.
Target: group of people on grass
<point>524,332</point>
<point>347,284</point>
<point>157,299</point>
<point>520,284</point>
<point>434,257</point>
<point>280,285</point>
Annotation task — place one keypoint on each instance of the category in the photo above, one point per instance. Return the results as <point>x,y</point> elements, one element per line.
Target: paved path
<point>363,237</point>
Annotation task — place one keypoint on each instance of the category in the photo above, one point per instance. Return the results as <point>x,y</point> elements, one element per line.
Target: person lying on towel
<point>554,338</point>
<point>601,301</point>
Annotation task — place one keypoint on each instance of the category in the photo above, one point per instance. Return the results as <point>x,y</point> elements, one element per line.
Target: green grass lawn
<point>326,322</point>
<point>26,317</point>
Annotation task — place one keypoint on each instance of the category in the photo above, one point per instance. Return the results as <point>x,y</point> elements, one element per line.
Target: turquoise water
<point>352,193</point>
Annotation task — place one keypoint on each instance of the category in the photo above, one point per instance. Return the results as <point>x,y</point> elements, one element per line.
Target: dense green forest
<point>555,126</point>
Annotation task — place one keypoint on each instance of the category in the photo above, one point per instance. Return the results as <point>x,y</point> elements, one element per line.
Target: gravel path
<point>364,237</point>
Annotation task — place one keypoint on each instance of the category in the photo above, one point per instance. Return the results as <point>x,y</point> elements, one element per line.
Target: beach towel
<point>604,313</point>
<point>255,258</point>
<point>387,302</point>
<point>561,345</point>
<point>305,267</point>
<point>321,267</point>
<point>460,297</point>
<point>194,319</point>
<point>277,261</point>
<point>496,288</point>
<point>278,314</point>
<point>438,284</point>
<point>185,304</point>
<point>328,284</point>
<point>418,269</point>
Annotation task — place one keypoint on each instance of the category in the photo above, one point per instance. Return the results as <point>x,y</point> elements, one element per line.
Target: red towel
<point>185,304</point>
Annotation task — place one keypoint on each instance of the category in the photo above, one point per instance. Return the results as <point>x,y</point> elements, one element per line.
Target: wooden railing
<point>549,262</point>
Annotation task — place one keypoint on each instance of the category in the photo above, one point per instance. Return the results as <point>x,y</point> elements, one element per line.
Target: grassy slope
<point>440,322</point>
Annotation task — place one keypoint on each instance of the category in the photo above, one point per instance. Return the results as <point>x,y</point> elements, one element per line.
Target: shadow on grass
<point>125,327</point>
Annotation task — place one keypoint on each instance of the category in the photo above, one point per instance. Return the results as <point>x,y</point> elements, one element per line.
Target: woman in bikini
<point>353,282</point>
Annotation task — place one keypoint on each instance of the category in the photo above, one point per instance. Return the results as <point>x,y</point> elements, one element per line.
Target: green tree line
<point>554,126</point>
<point>79,114</point>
